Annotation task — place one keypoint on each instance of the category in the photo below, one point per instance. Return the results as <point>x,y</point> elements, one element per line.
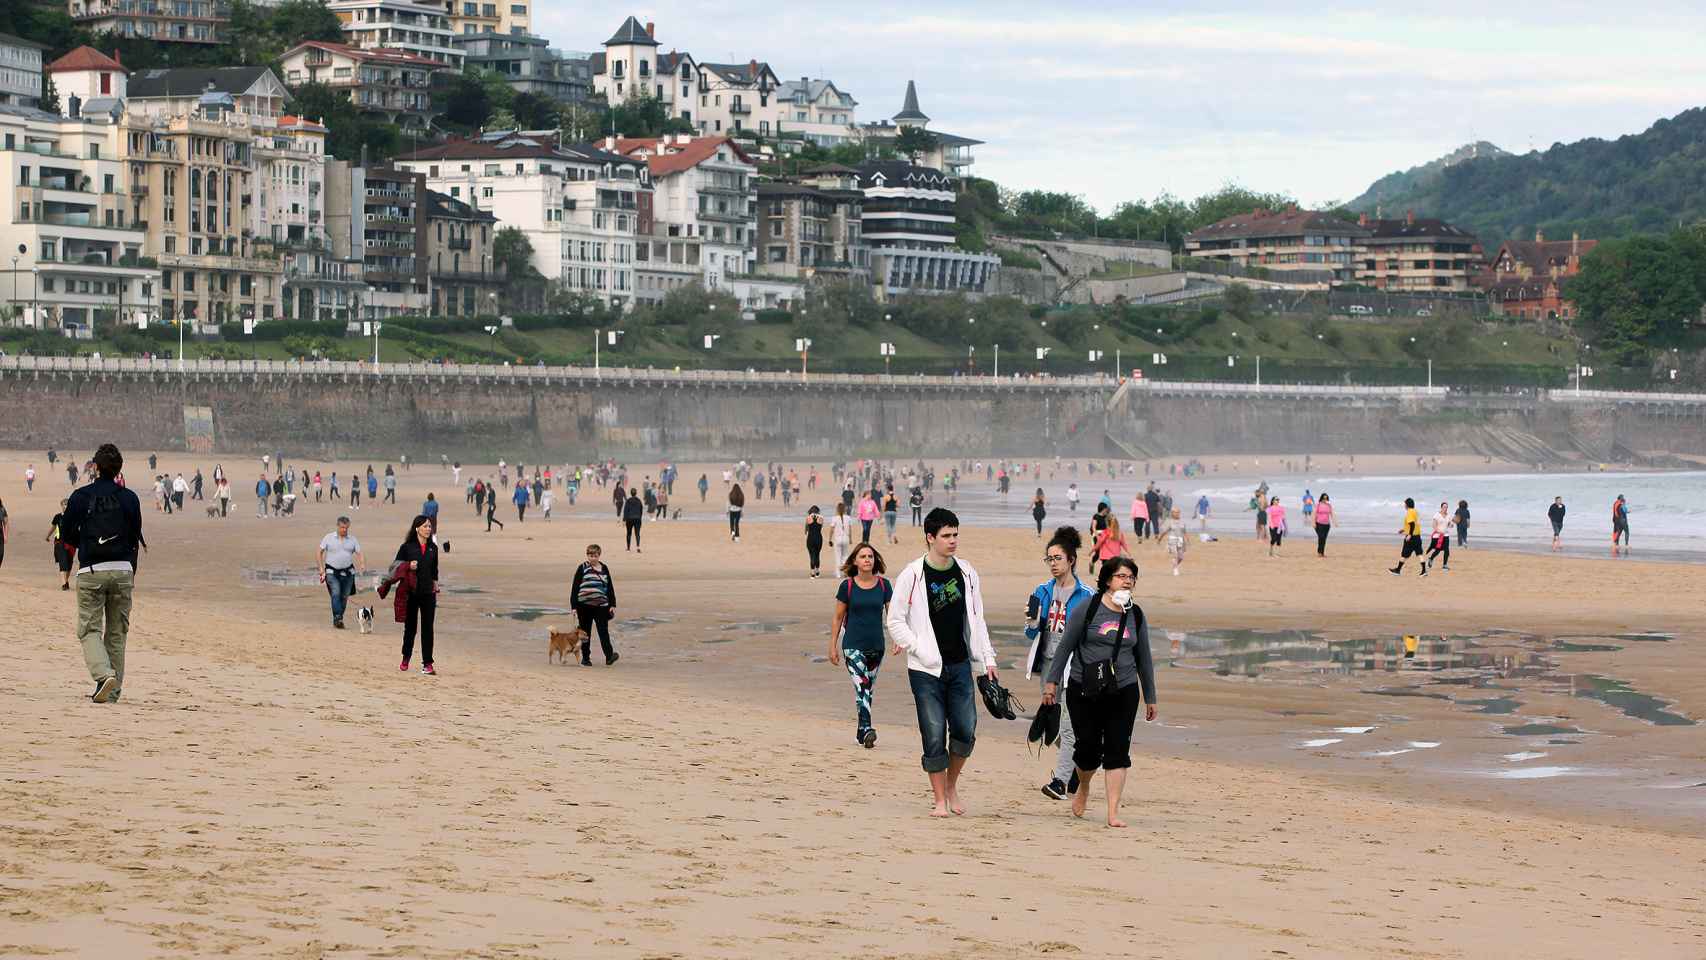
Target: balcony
<point>739,109</point>
<point>468,276</point>
<point>459,243</point>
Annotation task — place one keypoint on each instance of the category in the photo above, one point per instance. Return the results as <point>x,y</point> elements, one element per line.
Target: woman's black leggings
<point>1462,533</point>
<point>593,618</point>
<point>633,532</point>
<point>1321,531</point>
<point>734,523</point>
<point>420,612</point>
<point>917,516</point>
<point>1442,545</point>
<point>1038,518</point>
<point>813,549</point>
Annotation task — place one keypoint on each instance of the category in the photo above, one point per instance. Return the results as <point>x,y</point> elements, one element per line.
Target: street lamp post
<point>804,345</point>
<point>997,361</point>
<point>887,350</point>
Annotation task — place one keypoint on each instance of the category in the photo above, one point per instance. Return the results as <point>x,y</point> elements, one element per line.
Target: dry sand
<point>272,788</point>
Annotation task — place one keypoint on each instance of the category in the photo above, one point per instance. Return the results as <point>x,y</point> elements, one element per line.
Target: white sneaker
<point>1175,571</point>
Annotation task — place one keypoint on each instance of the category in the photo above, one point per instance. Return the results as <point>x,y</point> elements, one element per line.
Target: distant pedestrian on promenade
<point>222,493</point>
<point>1555,513</point>
<point>915,499</point>
<point>704,486</point>
<point>5,526</point>
<point>429,509</point>
<point>814,538</point>
<point>737,504</point>
<point>104,520</point>
<point>1072,497</point>
<point>633,515</point>
<point>1110,543</point>
<point>1323,523</point>
<point>390,485</point>
<point>30,478</point>
<point>856,631</point>
<point>1259,503</point>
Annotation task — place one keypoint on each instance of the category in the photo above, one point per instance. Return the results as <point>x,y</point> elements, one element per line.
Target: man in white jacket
<point>936,619</point>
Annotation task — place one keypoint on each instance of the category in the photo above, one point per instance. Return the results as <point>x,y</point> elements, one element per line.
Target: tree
<point>914,142</point>
<point>347,129</point>
<point>1240,302</point>
<point>49,95</point>
<point>1637,294</point>
<point>533,112</point>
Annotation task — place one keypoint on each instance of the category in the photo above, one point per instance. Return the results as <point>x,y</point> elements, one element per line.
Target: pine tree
<point>49,95</point>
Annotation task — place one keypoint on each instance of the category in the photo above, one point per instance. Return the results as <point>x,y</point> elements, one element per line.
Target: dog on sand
<point>565,644</point>
<point>364,617</point>
<point>213,511</point>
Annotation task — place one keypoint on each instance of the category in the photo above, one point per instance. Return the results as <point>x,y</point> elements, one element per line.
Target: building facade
<point>908,220</point>
<point>703,209</point>
<point>74,256</point>
<point>472,17</point>
<point>393,84</point>
<point>394,262</point>
<point>1417,255</point>
<point>581,208</point>
<point>948,153</point>
<point>462,279</point>
<point>256,94</point>
<point>815,110</point>
<point>813,228</point>
<point>1526,278</point>
<point>166,21</point>
<point>529,65</point>
<point>20,71</point>
<point>419,28</point>
<point>1303,243</point>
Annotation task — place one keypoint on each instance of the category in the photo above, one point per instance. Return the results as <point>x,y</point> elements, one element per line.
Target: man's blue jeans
<point>341,585</point>
<point>947,713</point>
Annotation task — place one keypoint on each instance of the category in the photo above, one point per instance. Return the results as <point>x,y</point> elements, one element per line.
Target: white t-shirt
<point>340,553</point>
<point>1441,521</point>
<point>840,529</point>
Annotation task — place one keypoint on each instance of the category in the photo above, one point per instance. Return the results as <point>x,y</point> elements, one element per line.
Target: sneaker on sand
<point>1055,790</point>
<point>426,668</point>
<point>1395,570</point>
<point>404,666</point>
<point>610,660</point>
<point>868,738</point>
<point>104,690</point>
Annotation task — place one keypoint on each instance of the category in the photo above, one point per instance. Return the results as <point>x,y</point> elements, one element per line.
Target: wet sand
<point>270,787</point>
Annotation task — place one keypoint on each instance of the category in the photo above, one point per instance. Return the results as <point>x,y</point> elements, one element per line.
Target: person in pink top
<point>1323,524</point>
<point>1276,525</point>
<point>1139,515</point>
<point>867,515</point>
<point>1110,543</point>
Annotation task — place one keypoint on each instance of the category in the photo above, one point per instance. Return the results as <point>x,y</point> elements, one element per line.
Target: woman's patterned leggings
<point>862,667</point>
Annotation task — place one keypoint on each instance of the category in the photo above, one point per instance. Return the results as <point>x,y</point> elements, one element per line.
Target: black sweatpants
<point>1103,726</point>
<point>1441,546</point>
<point>814,549</point>
<point>421,612</point>
<point>588,618</point>
<point>633,532</point>
<point>1321,531</point>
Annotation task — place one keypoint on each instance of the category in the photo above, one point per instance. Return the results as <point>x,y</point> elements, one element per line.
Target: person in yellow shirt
<point>1412,534</point>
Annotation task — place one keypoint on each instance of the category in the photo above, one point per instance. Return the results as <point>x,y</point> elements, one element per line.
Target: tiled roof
<point>668,62</point>
<point>630,32</point>
<point>1284,223</point>
<point>684,156</point>
<point>909,110</point>
<point>441,205</point>
<point>194,81</point>
<point>749,72</point>
<point>84,58</point>
<point>512,149</point>
<point>1540,255</point>
<point>1419,227</point>
<point>379,55</point>
<point>900,173</point>
<point>300,123</point>
<point>20,42</point>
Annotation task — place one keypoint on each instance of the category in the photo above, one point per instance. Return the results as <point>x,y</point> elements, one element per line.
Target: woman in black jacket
<point>421,554</point>
<point>633,514</point>
<point>737,504</point>
<point>1107,632</point>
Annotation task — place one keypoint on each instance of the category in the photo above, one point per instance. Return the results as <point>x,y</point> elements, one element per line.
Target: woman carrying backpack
<point>1107,644</point>
<point>856,631</point>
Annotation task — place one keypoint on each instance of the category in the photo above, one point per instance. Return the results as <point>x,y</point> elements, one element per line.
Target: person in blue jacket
<point>520,498</point>
<point>1045,624</point>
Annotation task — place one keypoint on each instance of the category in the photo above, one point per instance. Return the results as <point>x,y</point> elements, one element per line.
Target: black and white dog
<point>364,617</point>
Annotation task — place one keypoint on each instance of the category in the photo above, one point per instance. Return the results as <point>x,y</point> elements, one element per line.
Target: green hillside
<point>1395,186</point>
<point>1641,183</point>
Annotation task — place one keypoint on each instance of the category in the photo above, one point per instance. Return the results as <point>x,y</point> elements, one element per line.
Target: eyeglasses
<point>1054,558</point>
<point>1123,576</point>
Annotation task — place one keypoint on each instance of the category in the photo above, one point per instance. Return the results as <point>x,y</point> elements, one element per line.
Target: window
<point>107,82</point>
<point>432,171</point>
<point>776,228</point>
<point>519,9</point>
<point>486,193</point>
<point>189,281</point>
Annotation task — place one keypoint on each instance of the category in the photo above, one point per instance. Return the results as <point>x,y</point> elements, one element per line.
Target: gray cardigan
<point>1134,664</point>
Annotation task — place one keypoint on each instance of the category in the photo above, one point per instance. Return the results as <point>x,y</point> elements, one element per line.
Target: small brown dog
<point>565,644</point>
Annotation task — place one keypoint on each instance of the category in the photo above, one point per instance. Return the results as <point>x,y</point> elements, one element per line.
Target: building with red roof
<point>1303,245</point>
<point>393,84</point>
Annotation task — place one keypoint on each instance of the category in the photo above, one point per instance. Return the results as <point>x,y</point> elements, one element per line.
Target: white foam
<point>1388,753</point>
<point>1321,743</point>
<point>1524,755</point>
<point>1424,744</point>
<point>1533,773</point>
<point>1352,729</point>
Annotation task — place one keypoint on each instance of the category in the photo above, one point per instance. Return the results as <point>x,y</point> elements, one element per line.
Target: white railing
<point>1622,396</point>
<point>1284,389</point>
<point>128,365</point>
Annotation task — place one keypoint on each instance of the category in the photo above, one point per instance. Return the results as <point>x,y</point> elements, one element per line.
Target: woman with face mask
<point>1106,643</point>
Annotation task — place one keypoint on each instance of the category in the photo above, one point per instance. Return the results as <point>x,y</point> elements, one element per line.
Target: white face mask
<point>1122,597</point>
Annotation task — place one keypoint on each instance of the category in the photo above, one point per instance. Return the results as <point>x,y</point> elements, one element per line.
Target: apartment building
<point>1417,255</point>
<point>90,76</point>
<point>703,210</point>
<point>420,28</point>
<point>515,17</point>
<point>167,21</point>
<point>813,228</point>
<point>949,154</point>
<point>1305,244</point>
<point>394,265</point>
<point>256,94</point>
<point>470,17</point>
<point>529,65</point>
<point>908,220</point>
<point>816,110</point>
<point>581,207</point>
<point>74,254</point>
<point>393,84</point>
<point>735,98</point>
<point>20,71</point>
<point>462,279</point>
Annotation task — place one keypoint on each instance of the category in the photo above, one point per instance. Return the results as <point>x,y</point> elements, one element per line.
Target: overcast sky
<point>1127,100</point>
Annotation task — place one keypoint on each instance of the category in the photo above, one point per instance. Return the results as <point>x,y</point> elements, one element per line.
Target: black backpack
<point>106,535</point>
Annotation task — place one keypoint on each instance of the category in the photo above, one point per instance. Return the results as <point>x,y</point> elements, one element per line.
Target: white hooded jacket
<point>909,621</point>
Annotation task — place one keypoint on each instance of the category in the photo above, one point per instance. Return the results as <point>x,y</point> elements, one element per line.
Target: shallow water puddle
<point>528,614</point>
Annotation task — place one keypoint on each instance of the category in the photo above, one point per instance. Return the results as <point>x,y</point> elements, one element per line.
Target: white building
<point>816,110</point>
<point>704,212</point>
<point>908,220</point>
<point>950,154</point>
<point>581,208</point>
<point>735,97</point>
<point>20,71</point>
<point>422,29</point>
<point>394,84</point>
<point>257,94</point>
<point>73,258</point>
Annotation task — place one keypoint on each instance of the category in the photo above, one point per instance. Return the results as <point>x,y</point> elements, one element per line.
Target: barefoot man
<point>936,619</point>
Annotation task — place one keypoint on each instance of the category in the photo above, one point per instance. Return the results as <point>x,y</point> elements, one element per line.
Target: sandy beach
<point>269,787</point>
